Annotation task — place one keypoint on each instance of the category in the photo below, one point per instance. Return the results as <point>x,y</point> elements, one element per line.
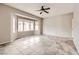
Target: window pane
<point>20,25</point>
<point>32,25</point>
<point>26,26</point>
<point>36,25</point>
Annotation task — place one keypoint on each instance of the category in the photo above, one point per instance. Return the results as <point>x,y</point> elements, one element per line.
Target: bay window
<point>25,25</point>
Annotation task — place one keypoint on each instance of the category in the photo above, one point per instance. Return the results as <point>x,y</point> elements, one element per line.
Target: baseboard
<point>4,43</point>
<point>70,38</point>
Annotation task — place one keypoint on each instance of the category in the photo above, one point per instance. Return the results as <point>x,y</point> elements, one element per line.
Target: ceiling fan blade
<point>47,8</point>
<point>40,12</point>
<point>42,7</point>
<point>46,11</point>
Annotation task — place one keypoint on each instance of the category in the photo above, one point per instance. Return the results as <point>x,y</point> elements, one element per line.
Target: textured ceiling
<point>56,8</point>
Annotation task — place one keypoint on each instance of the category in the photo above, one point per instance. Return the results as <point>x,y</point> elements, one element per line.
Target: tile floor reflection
<point>40,45</point>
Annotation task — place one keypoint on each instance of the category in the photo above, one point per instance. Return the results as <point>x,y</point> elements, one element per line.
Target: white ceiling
<point>56,8</point>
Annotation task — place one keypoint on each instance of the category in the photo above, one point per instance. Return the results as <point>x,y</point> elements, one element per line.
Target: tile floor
<point>40,45</point>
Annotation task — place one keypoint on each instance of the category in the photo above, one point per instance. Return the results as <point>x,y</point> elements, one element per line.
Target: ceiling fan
<point>44,10</point>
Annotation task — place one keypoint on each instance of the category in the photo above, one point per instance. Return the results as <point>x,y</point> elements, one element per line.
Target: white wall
<point>75,26</point>
<point>58,25</point>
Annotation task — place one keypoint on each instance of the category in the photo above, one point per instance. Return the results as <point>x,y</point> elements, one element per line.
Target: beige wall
<point>24,34</point>
<point>58,25</point>
<point>6,19</point>
<point>75,26</point>
<point>40,26</point>
<point>4,25</point>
